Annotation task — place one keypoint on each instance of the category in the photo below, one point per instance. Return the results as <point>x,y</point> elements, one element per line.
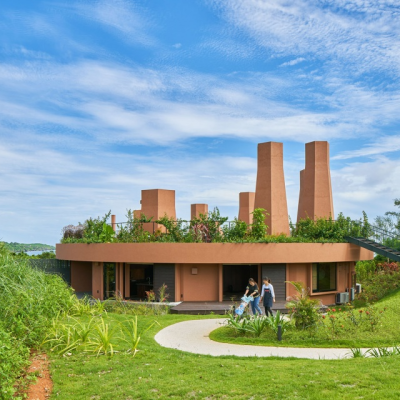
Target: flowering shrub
<point>162,293</point>
<point>338,321</point>
<point>150,295</point>
<point>387,267</point>
<point>379,285</point>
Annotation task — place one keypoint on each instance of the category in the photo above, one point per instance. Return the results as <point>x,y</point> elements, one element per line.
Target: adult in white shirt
<point>267,295</point>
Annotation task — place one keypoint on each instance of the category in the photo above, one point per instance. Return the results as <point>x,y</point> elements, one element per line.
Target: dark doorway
<point>109,280</point>
<point>141,280</point>
<point>277,274</point>
<point>236,278</point>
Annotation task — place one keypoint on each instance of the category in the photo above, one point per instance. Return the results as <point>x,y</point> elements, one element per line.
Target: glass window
<point>109,280</point>
<point>324,277</point>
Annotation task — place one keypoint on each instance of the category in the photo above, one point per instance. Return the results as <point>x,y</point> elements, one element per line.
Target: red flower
<point>340,309</point>
<point>334,309</point>
<point>329,309</point>
<point>342,326</point>
<point>360,311</point>
<point>332,316</point>
<point>323,316</point>
<point>367,312</point>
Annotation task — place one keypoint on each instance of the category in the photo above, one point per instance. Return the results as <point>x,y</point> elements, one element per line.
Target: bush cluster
<point>29,300</point>
<point>378,279</point>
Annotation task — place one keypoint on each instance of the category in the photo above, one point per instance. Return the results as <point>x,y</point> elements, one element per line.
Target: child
<point>267,295</point>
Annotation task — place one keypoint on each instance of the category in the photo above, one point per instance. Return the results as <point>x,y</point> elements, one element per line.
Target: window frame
<point>312,277</point>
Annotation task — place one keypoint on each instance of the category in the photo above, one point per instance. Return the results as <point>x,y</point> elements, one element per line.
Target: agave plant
<point>383,352</point>
<point>237,323</point>
<point>273,321</point>
<point>257,325</point>
<point>356,352</point>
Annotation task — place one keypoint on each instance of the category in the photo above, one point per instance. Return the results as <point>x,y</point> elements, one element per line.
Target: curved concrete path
<point>193,337</point>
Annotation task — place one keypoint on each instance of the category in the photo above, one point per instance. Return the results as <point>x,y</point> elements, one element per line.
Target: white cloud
<point>369,186</point>
<point>293,62</point>
<point>177,45</point>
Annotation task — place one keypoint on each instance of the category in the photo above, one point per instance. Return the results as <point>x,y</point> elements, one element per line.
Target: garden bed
<point>364,327</point>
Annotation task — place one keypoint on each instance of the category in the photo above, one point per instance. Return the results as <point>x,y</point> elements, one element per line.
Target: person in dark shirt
<point>252,290</point>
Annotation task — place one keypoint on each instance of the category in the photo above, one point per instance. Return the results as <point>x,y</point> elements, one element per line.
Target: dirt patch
<point>42,387</point>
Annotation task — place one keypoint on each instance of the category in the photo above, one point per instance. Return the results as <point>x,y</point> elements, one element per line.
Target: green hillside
<point>19,247</point>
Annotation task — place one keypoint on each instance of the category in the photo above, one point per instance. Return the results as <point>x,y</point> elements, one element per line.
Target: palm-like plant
<point>303,309</point>
<point>101,343</point>
<point>132,334</point>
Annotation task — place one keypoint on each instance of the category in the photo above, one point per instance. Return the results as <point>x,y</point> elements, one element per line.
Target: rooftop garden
<point>213,228</point>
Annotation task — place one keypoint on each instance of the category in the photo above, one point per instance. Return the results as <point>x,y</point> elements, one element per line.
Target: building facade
<point>220,271</point>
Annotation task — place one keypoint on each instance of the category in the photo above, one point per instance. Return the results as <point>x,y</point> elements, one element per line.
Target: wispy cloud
<point>138,105</point>
<point>293,62</point>
<point>121,16</point>
<point>363,34</point>
<point>378,147</point>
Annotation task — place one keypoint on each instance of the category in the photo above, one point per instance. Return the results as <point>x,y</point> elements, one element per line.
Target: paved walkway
<point>193,337</point>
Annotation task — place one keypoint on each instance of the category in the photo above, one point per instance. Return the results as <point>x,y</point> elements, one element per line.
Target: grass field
<point>159,373</point>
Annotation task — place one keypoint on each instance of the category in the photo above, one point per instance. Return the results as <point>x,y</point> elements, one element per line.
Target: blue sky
<point>100,99</point>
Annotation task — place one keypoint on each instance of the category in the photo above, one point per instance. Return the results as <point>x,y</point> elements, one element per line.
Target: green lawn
<point>159,373</point>
<point>386,332</point>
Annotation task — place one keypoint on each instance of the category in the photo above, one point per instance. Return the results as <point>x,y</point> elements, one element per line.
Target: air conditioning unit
<point>358,288</point>
<point>352,294</point>
<point>342,298</point>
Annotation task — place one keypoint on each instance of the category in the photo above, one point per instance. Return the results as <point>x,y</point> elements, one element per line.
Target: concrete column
<point>270,187</point>
<point>119,269</point>
<point>246,206</point>
<point>301,195</point>
<point>114,222</point>
<point>315,200</point>
<point>220,283</point>
<point>127,281</point>
<point>156,203</point>
<point>197,209</point>
<point>97,280</point>
<point>178,282</point>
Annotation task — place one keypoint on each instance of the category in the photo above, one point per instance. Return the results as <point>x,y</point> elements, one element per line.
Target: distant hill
<point>19,247</point>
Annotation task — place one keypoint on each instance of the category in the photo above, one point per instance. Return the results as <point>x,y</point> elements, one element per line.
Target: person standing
<point>267,295</point>
<point>252,290</point>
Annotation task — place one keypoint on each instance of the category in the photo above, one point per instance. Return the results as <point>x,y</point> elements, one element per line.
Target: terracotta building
<point>219,271</point>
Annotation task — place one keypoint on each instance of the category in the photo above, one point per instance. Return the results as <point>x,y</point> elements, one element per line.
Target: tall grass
<point>29,300</point>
